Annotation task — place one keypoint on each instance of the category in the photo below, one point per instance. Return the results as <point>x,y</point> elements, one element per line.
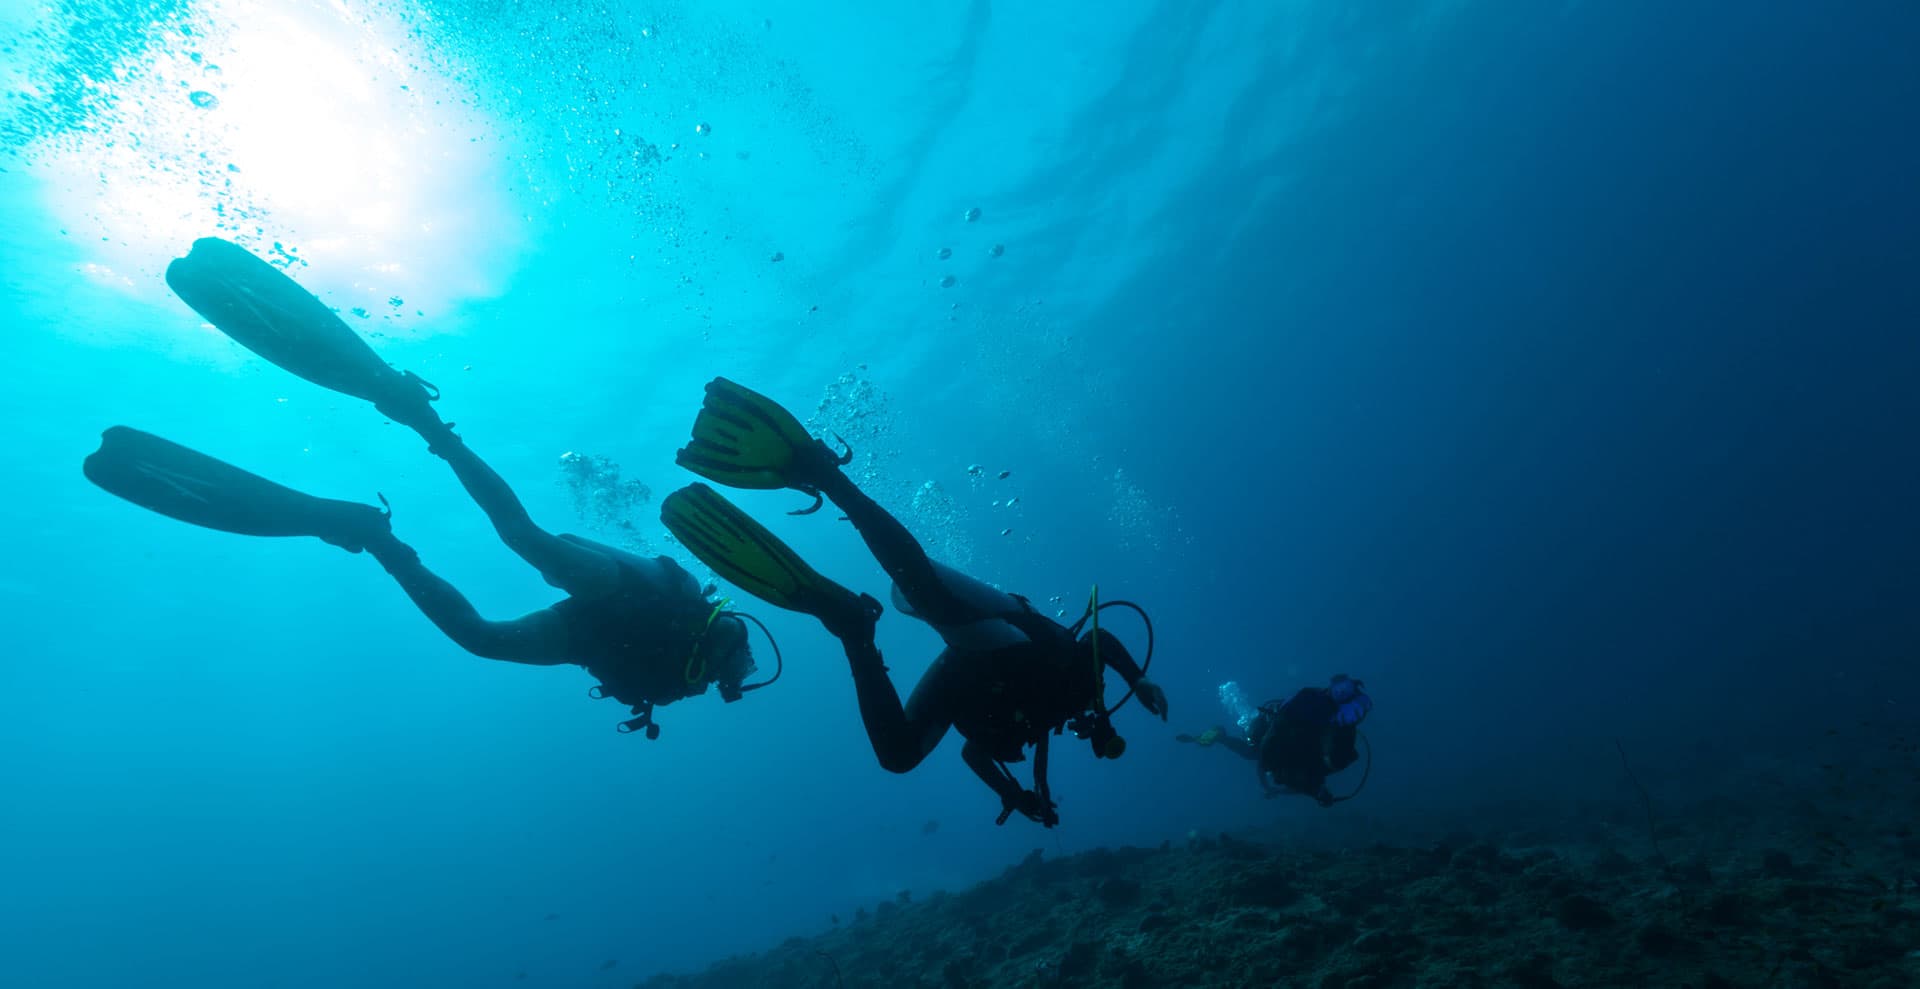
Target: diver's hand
<point>1029,804</point>
<point>1151,697</point>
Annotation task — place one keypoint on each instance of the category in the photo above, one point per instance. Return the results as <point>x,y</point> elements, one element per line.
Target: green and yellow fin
<point>744,553</point>
<point>743,439</point>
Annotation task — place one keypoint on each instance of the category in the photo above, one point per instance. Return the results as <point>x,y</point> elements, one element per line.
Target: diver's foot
<point>816,467</point>
<point>353,527</point>
<point>852,619</point>
<point>744,439</point>
<point>410,403</point>
<point>441,441</point>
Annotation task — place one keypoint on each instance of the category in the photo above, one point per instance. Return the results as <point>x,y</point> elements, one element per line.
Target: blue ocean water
<point>1549,365</point>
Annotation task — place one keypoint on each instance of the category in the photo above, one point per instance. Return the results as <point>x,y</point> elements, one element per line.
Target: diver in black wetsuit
<point>643,627</point>
<point>1009,676</point>
<point>1295,745</point>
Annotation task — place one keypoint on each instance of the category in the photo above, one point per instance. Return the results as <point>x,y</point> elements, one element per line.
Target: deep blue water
<point>1550,365</point>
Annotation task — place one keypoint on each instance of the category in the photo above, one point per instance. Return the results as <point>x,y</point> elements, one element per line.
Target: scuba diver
<point>1295,745</point>
<point>643,627</point>
<point>1009,676</point>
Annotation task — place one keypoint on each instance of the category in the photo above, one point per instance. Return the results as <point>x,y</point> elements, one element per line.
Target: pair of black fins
<point>740,438</point>
<point>270,314</point>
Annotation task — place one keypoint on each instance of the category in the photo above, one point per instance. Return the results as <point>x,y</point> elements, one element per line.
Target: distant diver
<point>1009,676</point>
<point>1297,744</point>
<point>643,627</point>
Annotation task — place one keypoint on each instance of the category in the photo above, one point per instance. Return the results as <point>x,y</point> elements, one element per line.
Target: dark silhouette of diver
<point>1009,676</point>
<point>1295,745</point>
<point>643,627</point>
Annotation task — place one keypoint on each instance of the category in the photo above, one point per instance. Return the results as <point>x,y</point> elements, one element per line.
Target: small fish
<point>930,827</point>
<point>609,963</point>
<point>553,916</point>
<point>1005,474</point>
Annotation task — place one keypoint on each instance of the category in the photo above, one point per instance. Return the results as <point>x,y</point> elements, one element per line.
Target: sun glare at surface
<point>307,132</point>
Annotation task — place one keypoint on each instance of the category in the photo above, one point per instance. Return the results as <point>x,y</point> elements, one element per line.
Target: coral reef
<point>1561,896</point>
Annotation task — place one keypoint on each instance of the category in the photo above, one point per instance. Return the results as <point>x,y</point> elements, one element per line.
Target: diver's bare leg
<point>578,569</point>
<point>538,639</point>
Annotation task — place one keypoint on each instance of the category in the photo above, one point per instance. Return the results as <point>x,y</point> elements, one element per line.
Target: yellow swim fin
<point>746,555</point>
<point>744,439</point>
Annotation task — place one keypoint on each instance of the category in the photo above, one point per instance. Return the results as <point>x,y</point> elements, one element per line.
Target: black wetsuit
<point>1301,745</point>
<point>1008,677</point>
<point>1296,744</point>
<point>640,625</point>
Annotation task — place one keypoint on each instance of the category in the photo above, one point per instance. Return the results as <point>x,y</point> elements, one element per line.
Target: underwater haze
<point>1552,366</point>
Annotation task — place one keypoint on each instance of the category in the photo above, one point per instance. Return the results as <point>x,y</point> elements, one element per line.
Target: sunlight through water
<point>309,132</point>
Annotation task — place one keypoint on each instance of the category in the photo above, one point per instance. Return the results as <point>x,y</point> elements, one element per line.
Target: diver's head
<point>729,660</point>
<point>1344,687</point>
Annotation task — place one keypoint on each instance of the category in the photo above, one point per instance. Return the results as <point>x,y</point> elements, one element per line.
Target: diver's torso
<point>637,640</point>
<point>1012,696</point>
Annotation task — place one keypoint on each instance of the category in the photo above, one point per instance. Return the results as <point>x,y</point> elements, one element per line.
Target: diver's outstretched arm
<point>1233,743</point>
<point>983,765</point>
<point>538,639</point>
<point>572,566</point>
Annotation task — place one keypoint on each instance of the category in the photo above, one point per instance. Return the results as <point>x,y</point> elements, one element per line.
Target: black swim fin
<point>267,312</point>
<point>745,554</point>
<point>165,477</point>
<point>744,439</point>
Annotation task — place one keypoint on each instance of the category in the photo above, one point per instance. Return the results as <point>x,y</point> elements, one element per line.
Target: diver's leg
<point>539,639</point>
<point>901,737</point>
<point>573,567</point>
<point>900,555</point>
